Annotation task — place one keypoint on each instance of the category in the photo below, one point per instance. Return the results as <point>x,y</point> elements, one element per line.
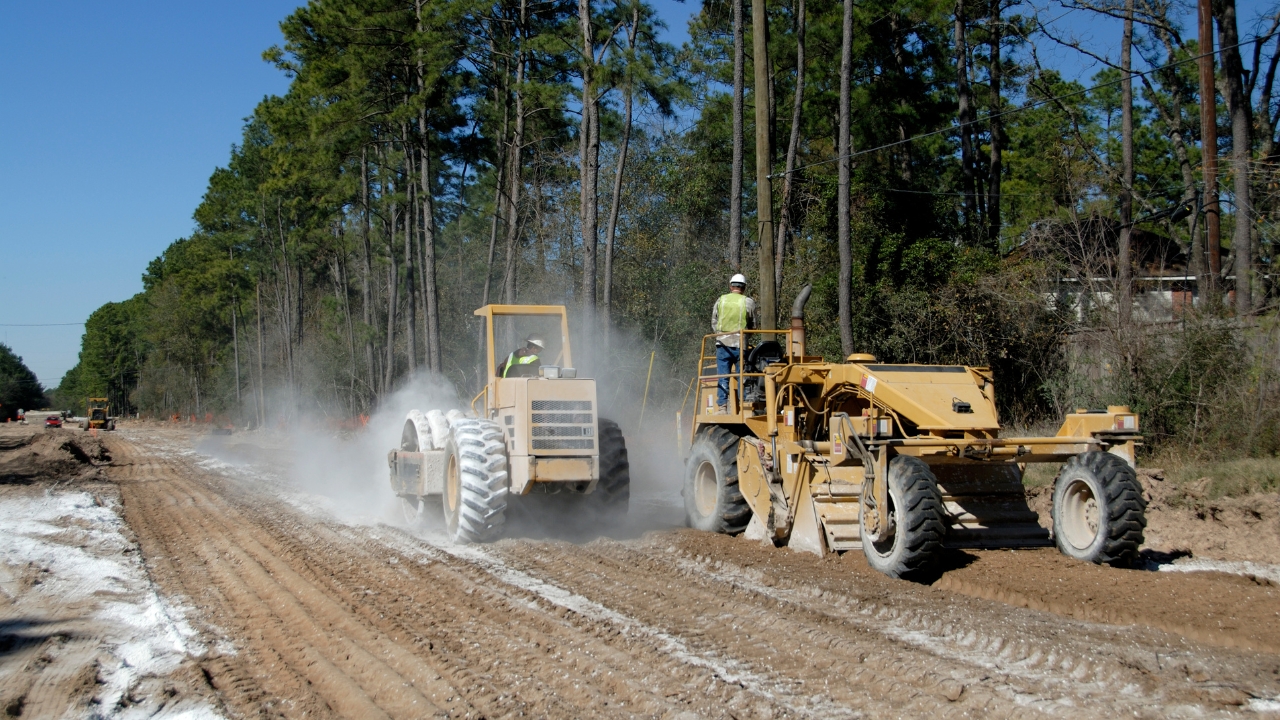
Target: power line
<point>38,324</point>
<point>1030,106</point>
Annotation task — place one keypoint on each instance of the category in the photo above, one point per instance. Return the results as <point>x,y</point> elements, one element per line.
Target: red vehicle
<point>53,421</point>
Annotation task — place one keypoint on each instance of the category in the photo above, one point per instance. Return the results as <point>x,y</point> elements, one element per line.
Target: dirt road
<point>297,613</point>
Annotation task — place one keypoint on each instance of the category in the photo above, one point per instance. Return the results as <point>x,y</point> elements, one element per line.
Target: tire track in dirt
<point>794,631</point>
<point>256,671</point>
<point>558,686</point>
<point>590,647</point>
<point>725,675</point>
<point>1031,655</point>
<point>336,657</point>
<point>1212,608</point>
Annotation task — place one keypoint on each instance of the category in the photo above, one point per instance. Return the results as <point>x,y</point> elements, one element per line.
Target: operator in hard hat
<point>733,312</point>
<point>527,355</point>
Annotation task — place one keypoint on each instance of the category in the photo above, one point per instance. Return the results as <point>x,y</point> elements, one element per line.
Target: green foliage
<point>309,272</point>
<point>111,353</point>
<point>19,388</point>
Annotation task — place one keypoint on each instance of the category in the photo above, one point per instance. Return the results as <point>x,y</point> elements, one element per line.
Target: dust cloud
<point>346,473</point>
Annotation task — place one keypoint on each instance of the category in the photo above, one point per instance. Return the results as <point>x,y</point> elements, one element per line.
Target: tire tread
<point>483,481</point>
<point>1125,505</point>
<point>612,495</point>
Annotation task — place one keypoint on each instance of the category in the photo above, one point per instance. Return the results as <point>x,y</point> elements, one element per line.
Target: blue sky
<point>113,116</point>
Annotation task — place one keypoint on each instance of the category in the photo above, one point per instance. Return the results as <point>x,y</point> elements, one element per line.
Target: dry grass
<point>1040,474</point>
<point>1211,479</point>
<point>1223,478</point>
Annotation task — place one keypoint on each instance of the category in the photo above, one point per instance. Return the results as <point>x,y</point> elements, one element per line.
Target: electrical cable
<point>1030,106</point>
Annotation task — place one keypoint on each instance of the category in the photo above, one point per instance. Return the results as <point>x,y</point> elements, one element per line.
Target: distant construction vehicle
<point>898,460</point>
<point>98,415</point>
<point>534,429</point>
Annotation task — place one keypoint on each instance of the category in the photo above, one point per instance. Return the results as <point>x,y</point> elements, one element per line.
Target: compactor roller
<point>534,429</point>
<point>897,460</point>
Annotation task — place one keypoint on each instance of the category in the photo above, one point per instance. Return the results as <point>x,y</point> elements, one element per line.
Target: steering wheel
<point>769,351</point>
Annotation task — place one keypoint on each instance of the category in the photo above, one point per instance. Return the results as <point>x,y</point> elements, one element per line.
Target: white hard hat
<point>537,340</point>
<point>738,279</point>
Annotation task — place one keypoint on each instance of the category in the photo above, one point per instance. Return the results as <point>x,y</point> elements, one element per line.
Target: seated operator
<point>527,355</point>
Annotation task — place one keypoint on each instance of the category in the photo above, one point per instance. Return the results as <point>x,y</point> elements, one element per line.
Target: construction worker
<point>733,312</point>
<point>527,355</point>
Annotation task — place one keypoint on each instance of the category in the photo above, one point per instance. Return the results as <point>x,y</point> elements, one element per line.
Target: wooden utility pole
<point>735,179</point>
<point>997,127</point>
<point>1124,265</point>
<point>842,191</point>
<point>764,185</point>
<point>964,116</point>
<point>1209,145</point>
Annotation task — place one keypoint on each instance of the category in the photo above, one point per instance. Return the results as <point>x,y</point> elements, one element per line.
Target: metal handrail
<point>706,362</point>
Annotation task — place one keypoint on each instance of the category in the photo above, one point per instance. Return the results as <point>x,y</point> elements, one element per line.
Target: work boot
<point>722,410</point>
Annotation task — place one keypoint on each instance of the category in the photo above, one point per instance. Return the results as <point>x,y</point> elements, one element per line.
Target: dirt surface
<point>1215,608</point>
<point>289,604</point>
<point>30,454</point>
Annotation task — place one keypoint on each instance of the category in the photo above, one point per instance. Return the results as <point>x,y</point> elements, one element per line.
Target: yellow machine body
<point>814,436</point>
<point>98,415</point>
<point>550,422</point>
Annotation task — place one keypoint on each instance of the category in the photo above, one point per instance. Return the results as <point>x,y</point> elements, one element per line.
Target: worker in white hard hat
<point>733,312</point>
<point>526,355</point>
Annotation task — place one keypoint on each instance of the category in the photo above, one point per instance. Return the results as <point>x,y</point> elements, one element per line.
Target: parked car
<point>53,421</point>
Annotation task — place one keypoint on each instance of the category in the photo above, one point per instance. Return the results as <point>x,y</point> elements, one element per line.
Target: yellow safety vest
<point>513,360</point>
<point>731,313</point>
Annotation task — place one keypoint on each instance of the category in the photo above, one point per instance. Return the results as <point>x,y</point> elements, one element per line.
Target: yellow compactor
<point>534,430</point>
<point>898,460</point>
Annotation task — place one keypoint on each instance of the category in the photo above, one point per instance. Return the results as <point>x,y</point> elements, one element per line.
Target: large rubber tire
<point>918,520</point>
<point>476,481</point>
<point>1098,510</point>
<point>713,501</point>
<point>612,495</point>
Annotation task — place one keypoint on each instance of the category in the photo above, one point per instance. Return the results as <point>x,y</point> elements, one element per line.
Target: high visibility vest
<point>731,313</point>
<point>513,360</point>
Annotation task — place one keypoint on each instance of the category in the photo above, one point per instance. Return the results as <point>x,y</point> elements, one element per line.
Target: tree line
<point>950,198</point>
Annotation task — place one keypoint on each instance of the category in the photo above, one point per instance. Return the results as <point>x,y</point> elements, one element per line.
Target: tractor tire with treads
<point>713,501</point>
<point>1099,513</point>
<point>476,481</point>
<point>918,520</point>
<point>612,495</point>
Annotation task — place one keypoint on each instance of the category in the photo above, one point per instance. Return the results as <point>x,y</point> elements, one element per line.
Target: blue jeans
<point>726,361</point>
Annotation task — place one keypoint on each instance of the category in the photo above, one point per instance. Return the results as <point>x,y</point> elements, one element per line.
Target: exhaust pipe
<point>797,322</point>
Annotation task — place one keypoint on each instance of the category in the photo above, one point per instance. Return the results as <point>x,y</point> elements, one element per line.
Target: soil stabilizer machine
<point>533,432</point>
<point>899,461</point>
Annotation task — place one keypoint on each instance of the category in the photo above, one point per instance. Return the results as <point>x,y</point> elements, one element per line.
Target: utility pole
<point>1124,263</point>
<point>1209,146</point>
<point>735,179</point>
<point>764,185</point>
<point>842,191</point>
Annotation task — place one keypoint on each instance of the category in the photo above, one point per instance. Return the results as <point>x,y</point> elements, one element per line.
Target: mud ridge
<point>51,456</point>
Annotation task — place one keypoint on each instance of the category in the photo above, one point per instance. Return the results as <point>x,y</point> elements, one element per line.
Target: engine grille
<point>562,425</point>
<point>562,418</point>
<point>587,444</point>
<point>561,405</point>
